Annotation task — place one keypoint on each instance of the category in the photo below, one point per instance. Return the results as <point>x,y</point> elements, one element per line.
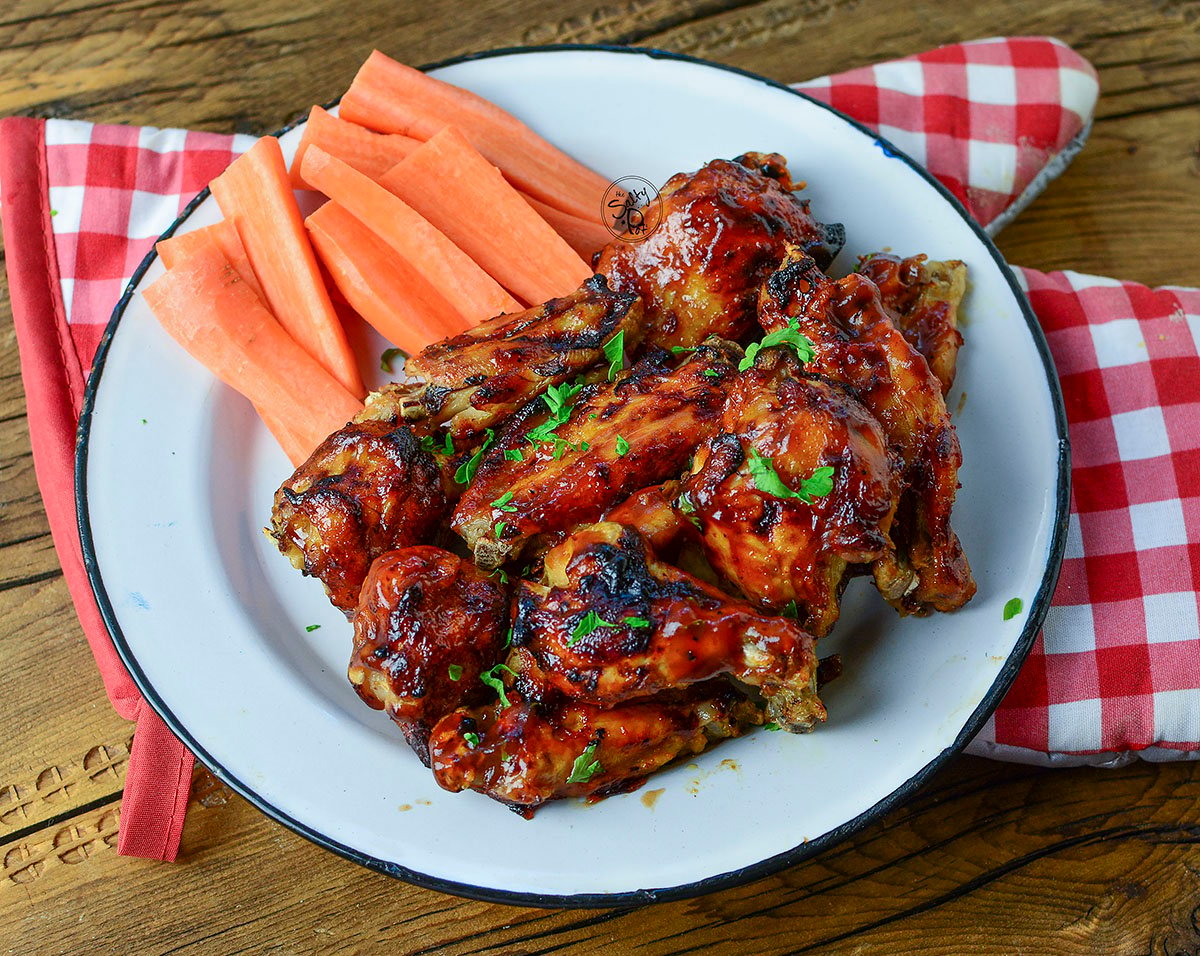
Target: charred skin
<point>525,755</point>
<point>368,488</point>
<point>475,380</point>
<point>923,299</point>
<point>856,343</point>
<point>780,549</point>
<point>668,630</point>
<point>661,411</point>
<point>427,625</point>
<point>724,229</point>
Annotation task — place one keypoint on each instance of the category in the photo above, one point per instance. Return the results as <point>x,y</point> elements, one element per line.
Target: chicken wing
<point>855,342</point>
<point>923,299</point>
<point>612,623</point>
<point>428,624</point>
<point>772,522</point>
<point>524,755</point>
<point>387,479</point>
<point>617,438</point>
<point>724,229</point>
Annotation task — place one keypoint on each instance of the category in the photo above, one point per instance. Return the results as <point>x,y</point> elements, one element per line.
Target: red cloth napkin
<point>1119,667</point>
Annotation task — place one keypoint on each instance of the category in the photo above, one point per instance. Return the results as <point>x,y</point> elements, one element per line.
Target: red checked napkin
<point>1119,667</point>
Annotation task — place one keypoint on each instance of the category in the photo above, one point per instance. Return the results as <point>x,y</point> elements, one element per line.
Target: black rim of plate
<point>733,878</point>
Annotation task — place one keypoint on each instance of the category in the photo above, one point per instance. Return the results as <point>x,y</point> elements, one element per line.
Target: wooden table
<point>989,858</point>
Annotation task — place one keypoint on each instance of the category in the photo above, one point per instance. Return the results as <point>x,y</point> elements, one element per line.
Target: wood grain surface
<point>988,858</point>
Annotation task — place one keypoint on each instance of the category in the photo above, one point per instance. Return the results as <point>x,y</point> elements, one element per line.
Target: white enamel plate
<point>213,622</point>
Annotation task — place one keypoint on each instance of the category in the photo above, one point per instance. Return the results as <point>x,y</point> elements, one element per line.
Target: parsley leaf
<point>586,765</point>
<point>508,637</point>
<point>622,446</point>
<point>792,610</point>
<point>466,471</point>
<point>684,348</point>
<point>387,358</point>
<point>771,725</point>
<point>633,621</point>
<point>1013,608</point>
<point>502,573</point>
<point>588,623</point>
<point>558,400</point>
<point>513,454</point>
<point>471,738</point>
<point>313,627</point>
<point>584,446</point>
<point>711,372</point>
<point>766,479</point>
<point>492,678</point>
<point>499,528</point>
<point>455,671</point>
<point>614,351</point>
<point>429,443</point>
<point>791,336</point>
<point>503,502</point>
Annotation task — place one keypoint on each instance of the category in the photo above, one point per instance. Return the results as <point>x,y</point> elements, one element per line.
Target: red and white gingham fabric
<point>995,120</point>
<point>1118,670</point>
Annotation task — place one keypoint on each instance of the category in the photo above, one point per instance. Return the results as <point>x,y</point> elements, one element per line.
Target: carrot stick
<point>381,286</point>
<point>585,236</point>
<point>254,192</point>
<point>462,283</point>
<point>471,203</point>
<point>372,154</point>
<point>224,234</point>
<point>206,307</point>
<point>389,97</point>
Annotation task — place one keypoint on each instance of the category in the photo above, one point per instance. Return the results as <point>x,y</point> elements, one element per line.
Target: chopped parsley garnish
<point>502,574</point>
<point>471,738</point>
<point>789,336</point>
<point>588,623</point>
<point>387,358</point>
<point>508,638</point>
<point>684,348</point>
<point>633,621</point>
<point>513,454</point>
<point>766,479</point>
<point>430,443</point>
<point>1013,608</point>
<point>492,678</point>
<point>503,502</point>
<point>466,471</point>
<point>586,765</point>
<point>711,372</point>
<point>143,421</point>
<point>622,446</point>
<point>313,627</point>
<point>584,446</point>
<point>455,671</point>
<point>771,725</point>
<point>591,416</point>
<point>558,400</point>
<point>614,351</point>
<point>499,528</point>
<point>791,609</point>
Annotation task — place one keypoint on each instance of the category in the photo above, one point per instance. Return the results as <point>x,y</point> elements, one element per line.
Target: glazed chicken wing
<point>618,437</point>
<point>724,229</point>
<point>387,479</point>
<point>612,623</point>
<point>524,754</point>
<point>855,342</point>
<point>923,299</point>
<point>769,526</point>
<point>429,623</point>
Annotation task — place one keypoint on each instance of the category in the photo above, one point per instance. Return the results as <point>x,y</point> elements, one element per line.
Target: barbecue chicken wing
<point>428,624</point>
<point>387,479</point>
<point>475,380</point>
<point>855,342</point>
<point>772,523</point>
<point>923,299</point>
<point>368,488</point>
<point>617,438</point>
<point>612,623</point>
<point>523,755</point>
<point>724,229</point>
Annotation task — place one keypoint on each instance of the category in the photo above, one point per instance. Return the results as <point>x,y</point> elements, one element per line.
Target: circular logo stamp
<point>631,209</point>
